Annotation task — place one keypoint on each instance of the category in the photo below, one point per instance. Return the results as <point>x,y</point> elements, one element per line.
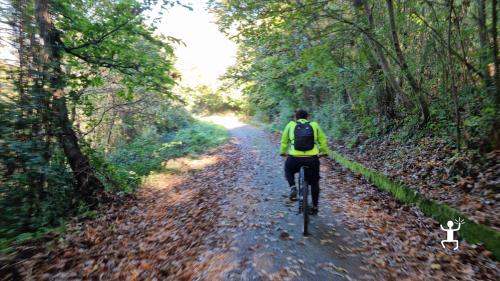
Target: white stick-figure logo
<point>450,231</point>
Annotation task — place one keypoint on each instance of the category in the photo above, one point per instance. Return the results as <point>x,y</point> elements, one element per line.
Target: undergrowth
<point>148,152</point>
<point>122,171</point>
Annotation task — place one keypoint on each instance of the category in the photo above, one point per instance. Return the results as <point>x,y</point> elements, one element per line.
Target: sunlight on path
<point>229,121</point>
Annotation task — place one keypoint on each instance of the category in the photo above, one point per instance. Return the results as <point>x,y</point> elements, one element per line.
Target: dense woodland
<point>87,108</point>
<point>92,103</point>
<point>370,68</point>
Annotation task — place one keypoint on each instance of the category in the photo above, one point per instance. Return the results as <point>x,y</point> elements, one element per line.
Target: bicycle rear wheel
<point>305,193</point>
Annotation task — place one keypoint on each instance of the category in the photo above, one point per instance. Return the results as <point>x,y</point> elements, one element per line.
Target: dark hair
<point>301,114</point>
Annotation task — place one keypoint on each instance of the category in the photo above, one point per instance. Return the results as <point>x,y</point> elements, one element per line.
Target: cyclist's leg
<point>312,177</point>
<point>315,193</point>
<point>291,168</point>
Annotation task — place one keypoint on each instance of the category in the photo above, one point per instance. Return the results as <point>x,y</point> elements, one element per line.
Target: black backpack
<point>304,137</point>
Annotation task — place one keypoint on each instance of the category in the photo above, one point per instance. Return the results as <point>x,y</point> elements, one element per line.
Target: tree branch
<point>122,68</point>
<point>453,51</point>
<point>365,32</point>
<point>104,36</point>
<point>107,110</point>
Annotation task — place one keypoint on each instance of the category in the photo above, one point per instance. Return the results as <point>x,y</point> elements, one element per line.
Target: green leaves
<point>339,59</point>
<point>89,72</point>
<point>115,36</point>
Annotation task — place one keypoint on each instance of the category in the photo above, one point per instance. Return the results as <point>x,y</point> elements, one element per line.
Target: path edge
<point>472,232</point>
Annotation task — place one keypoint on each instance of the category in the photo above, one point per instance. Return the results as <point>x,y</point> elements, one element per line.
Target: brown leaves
<point>285,236</point>
<point>145,266</point>
<point>402,243</point>
<point>159,235</point>
<point>440,173</point>
<point>182,227</point>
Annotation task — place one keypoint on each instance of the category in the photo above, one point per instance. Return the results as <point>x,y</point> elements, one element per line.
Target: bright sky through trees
<point>207,53</point>
<point>6,51</point>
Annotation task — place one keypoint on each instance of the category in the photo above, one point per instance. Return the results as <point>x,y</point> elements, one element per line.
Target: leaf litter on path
<point>173,230</point>
<point>160,234</point>
<point>400,242</point>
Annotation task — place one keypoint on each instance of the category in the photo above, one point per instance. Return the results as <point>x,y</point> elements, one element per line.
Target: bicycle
<point>304,198</point>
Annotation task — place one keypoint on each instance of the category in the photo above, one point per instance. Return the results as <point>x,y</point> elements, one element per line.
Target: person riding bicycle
<point>303,142</point>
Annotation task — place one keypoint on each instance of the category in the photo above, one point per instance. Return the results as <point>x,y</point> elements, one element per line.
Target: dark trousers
<point>292,166</point>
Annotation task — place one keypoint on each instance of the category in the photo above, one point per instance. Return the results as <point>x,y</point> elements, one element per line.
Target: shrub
<point>147,152</point>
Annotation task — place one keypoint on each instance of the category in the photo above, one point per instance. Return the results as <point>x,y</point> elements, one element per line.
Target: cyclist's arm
<point>284,140</point>
<point>323,145</point>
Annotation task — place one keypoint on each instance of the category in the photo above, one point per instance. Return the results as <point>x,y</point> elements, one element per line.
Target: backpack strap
<point>289,134</point>
<point>315,131</point>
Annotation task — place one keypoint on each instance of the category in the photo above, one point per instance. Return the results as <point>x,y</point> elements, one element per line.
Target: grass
<point>472,232</point>
<point>148,152</point>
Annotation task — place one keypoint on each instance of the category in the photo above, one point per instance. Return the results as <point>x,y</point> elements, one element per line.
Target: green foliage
<point>479,126</point>
<point>148,152</point>
<point>115,35</point>
<point>203,99</point>
<point>28,213</point>
<point>341,62</point>
<point>90,75</point>
<point>140,156</point>
<point>27,198</point>
<point>114,177</point>
<point>208,100</point>
<point>197,138</point>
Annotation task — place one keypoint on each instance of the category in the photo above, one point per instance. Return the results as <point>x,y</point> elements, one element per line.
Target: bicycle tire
<point>305,193</point>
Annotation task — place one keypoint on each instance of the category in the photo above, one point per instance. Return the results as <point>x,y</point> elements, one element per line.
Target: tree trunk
<point>111,126</point>
<point>424,108</point>
<point>385,93</point>
<point>483,35</point>
<point>20,7</point>
<point>496,59</point>
<point>378,53</point>
<point>87,183</point>
<point>495,130</point>
<point>452,80</point>
<point>485,46</point>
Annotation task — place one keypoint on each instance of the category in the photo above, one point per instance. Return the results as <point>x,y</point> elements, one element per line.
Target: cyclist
<point>303,142</point>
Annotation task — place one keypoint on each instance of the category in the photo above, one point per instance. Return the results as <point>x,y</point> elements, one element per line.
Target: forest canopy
<point>371,67</point>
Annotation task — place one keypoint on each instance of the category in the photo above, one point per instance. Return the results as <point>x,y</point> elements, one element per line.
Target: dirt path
<point>265,229</point>
<point>361,233</point>
<point>225,216</point>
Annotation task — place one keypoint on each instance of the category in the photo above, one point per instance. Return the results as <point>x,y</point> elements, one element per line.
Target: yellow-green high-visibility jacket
<point>287,139</point>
